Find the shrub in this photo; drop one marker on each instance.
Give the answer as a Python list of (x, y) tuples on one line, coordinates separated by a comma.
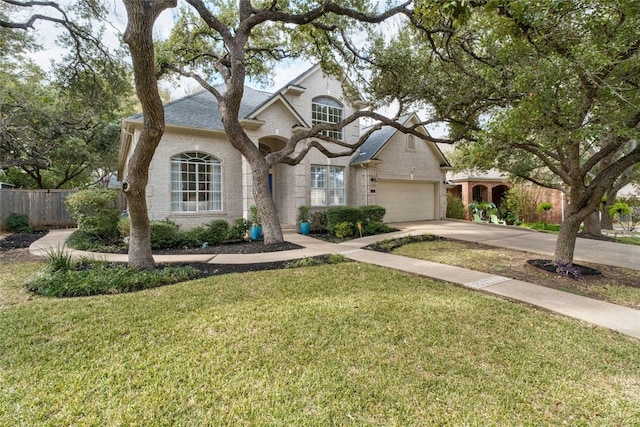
[(372, 213), (124, 226), (254, 215), (455, 207), (544, 207), (194, 236), (165, 234), (304, 213), (216, 232), (85, 241), (619, 208), (338, 215), (522, 200), (319, 221), (90, 277), (17, 223), (238, 229), (344, 229), (58, 259), (375, 227), (96, 211)]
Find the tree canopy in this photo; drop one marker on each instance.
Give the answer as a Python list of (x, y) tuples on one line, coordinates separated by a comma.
[(58, 128), (547, 91)]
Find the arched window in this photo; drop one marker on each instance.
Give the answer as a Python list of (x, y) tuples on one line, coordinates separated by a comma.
[(196, 183), (327, 110)]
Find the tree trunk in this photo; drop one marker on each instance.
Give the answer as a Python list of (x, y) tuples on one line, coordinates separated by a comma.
[(139, 37), (140, 234), (264, 202), (605, 220), (566, 243), (592, 225)]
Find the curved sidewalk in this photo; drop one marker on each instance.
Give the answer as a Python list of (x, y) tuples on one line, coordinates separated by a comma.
[(622, 319)]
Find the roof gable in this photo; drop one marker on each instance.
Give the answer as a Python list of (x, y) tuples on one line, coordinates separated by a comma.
[(200, 110), (376, 142)]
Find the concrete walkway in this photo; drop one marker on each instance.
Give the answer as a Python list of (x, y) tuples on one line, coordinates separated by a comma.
[(622, 319)]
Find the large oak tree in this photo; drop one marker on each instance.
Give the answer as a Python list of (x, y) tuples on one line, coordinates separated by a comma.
[(57, 127), (547, 91)]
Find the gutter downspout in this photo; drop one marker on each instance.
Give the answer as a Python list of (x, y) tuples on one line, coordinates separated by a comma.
[(366, 183)]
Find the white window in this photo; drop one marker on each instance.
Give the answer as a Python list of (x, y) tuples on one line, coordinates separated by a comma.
[(327, 186), (196, 183), (327, 110)]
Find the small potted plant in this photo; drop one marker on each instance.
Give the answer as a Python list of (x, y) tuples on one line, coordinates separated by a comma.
[(256, 227), (305, 219)]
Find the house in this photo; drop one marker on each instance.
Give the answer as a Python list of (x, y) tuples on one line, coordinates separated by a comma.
[(492, 186), (196, 176)]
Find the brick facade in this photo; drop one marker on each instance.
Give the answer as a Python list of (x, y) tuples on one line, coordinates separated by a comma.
[(494, 190)]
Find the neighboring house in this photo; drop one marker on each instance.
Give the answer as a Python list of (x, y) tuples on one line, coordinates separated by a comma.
[(196, 176), (492, 186), (6, 185)]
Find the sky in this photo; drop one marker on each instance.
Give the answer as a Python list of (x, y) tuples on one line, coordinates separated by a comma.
[(282, 74), (47, 33)]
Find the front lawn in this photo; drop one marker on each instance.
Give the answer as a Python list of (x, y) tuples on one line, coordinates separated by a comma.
[(345, 344), (616, 285)]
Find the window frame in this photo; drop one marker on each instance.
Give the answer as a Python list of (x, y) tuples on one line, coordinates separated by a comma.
[(196, 183), (327, 184), (327, 110)]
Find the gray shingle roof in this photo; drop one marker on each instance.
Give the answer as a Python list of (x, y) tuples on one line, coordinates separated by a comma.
[(200, 110), (373, 144)]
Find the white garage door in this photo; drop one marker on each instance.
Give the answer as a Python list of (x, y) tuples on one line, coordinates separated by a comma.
[(406, 200)]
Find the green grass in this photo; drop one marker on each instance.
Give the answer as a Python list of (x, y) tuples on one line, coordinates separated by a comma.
[(628, 240), (344, 344), (542, 226), (501, 261)]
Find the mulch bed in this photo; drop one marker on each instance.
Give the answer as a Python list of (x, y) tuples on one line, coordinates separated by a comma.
[(15, 245), (574, 270), (20, 240), (240, 247)]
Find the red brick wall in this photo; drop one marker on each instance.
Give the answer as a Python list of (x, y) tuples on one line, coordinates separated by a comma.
[(464, 189)]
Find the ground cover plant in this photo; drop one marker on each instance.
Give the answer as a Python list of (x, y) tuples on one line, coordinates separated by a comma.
[(616, 285), (369, 346), (63, 276)]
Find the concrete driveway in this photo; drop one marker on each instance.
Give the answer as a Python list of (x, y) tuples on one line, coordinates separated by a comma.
[(523, 239)]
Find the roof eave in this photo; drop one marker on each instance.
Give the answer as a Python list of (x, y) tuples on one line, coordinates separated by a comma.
[(251, 124)]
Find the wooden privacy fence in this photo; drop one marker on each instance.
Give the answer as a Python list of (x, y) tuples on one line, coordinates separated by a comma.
[(45, 208)]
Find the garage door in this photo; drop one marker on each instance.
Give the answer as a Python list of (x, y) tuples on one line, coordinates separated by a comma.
[(406, 200)]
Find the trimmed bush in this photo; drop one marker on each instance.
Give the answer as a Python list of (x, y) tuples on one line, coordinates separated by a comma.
[(194, 237), (216, 232), (96, 210), (85, 241), (338, 215), (375, 227), (455, 207), (372, 213), (238, 229), (17, 223), (165, 234), (344, 229)]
